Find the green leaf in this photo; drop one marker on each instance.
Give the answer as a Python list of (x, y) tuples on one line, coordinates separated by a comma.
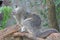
[(6, 15)]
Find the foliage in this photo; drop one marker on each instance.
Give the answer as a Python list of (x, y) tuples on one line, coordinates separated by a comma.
[(6, 10), (56, 2)]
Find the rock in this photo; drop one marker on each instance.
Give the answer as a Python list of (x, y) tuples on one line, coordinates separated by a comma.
[(7, 34), (8, 31), (54, 36)]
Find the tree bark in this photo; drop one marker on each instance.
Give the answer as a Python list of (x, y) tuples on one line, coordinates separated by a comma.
[(52, 14)]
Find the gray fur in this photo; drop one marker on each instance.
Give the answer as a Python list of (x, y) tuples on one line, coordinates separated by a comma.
[(33, 25)]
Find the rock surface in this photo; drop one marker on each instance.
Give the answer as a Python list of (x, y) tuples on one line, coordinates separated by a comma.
[(7, 34), (54, 36)]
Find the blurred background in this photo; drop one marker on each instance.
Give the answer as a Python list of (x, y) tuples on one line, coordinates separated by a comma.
[(39, 7)]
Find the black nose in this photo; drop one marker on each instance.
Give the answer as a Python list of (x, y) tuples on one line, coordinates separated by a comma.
[(1, 3)]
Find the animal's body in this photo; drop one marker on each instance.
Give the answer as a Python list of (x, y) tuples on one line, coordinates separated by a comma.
[(31, 23)]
